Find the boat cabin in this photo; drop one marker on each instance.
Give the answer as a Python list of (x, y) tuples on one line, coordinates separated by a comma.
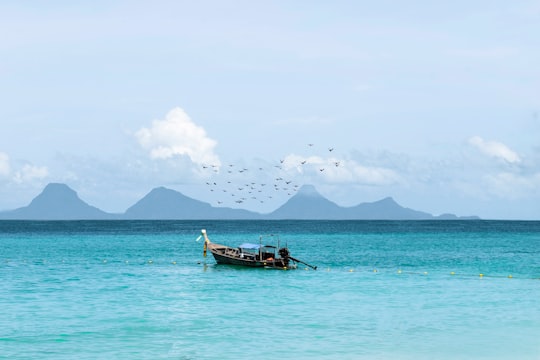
[(257, 252)]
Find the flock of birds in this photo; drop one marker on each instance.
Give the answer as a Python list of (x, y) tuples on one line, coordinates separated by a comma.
[(234, 185)]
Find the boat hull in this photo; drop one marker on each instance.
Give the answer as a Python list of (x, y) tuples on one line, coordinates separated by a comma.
[(230, 256)]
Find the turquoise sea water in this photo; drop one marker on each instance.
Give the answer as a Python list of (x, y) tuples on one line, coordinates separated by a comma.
[(383, 290)]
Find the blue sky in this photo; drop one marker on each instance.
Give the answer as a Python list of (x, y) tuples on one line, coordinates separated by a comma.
[(435, 104)]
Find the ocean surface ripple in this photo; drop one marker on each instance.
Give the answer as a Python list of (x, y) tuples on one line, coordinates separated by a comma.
[(383, 290)]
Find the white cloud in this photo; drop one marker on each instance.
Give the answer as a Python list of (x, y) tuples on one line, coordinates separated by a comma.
[(335, 170), (513, 186), (5, 168), (20, 175), (178, 135), (495, 149), (29, 173), (374, 175)]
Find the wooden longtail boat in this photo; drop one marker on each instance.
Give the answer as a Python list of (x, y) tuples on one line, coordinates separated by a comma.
[(253, 255)]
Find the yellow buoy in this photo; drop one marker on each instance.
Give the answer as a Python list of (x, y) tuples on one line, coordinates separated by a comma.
[(351, 270), (510, 276), (481, 275), (452, 273)]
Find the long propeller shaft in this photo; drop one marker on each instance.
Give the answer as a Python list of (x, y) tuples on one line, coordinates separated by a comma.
[(301, 262)]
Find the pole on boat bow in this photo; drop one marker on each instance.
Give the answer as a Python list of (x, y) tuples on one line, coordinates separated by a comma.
[(206, 241)]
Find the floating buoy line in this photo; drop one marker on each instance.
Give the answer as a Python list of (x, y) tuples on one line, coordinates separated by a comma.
[(366, 270), (450, 274)]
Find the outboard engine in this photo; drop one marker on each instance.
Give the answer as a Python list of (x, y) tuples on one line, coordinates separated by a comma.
[(284, 253)]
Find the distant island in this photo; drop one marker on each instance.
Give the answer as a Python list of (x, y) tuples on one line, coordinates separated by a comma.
[(60, 202)]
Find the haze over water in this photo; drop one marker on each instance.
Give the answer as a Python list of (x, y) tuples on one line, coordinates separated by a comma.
[(383, 290)]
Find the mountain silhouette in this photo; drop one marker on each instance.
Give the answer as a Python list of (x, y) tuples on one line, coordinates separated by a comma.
[(307, 203), (57, 202), (162, 203), (387, 209), (60, 202)]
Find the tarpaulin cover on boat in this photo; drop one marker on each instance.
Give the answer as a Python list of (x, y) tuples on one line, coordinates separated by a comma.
[(249, 246)]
